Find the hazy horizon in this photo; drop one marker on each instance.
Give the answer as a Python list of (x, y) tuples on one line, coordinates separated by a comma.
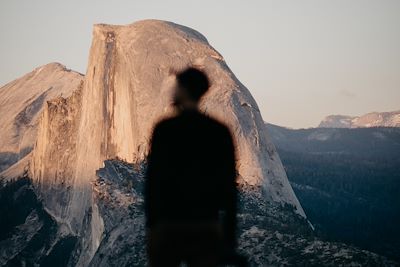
[(301, 61)]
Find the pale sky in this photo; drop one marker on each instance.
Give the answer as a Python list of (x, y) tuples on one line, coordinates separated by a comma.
[(301, 60)]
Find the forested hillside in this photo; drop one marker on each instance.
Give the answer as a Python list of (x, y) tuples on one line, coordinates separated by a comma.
[(348, 181)]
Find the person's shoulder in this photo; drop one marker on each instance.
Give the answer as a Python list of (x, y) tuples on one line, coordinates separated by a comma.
[(218, 125), (164, 124)]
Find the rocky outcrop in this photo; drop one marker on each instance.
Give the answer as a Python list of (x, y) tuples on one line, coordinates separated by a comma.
[(21, 103), (29, 236)]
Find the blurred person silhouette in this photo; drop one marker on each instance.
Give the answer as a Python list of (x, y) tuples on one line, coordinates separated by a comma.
[(190, 184)]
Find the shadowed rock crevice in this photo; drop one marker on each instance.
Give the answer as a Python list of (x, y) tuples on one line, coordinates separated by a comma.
[(29, 235), (108, 94), (24, 118)]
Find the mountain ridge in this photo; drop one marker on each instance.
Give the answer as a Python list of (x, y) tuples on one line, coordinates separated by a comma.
[(372, 119)]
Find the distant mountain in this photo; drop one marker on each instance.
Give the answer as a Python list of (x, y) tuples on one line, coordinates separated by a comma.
[(373, 119), (347, 181)]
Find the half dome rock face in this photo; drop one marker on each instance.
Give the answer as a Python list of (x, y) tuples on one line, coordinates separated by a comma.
[(128, 87), (22, 101)]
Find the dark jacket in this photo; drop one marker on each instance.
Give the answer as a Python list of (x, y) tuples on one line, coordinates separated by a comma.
[(191, 172)]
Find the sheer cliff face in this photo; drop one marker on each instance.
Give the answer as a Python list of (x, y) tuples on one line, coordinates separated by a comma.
[(128, 88), (22, 101), (54, 157)]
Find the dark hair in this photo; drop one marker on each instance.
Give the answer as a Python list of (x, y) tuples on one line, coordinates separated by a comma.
[(194, 81)]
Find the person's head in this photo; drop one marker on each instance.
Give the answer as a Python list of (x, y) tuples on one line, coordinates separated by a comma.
[(192, 84)]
